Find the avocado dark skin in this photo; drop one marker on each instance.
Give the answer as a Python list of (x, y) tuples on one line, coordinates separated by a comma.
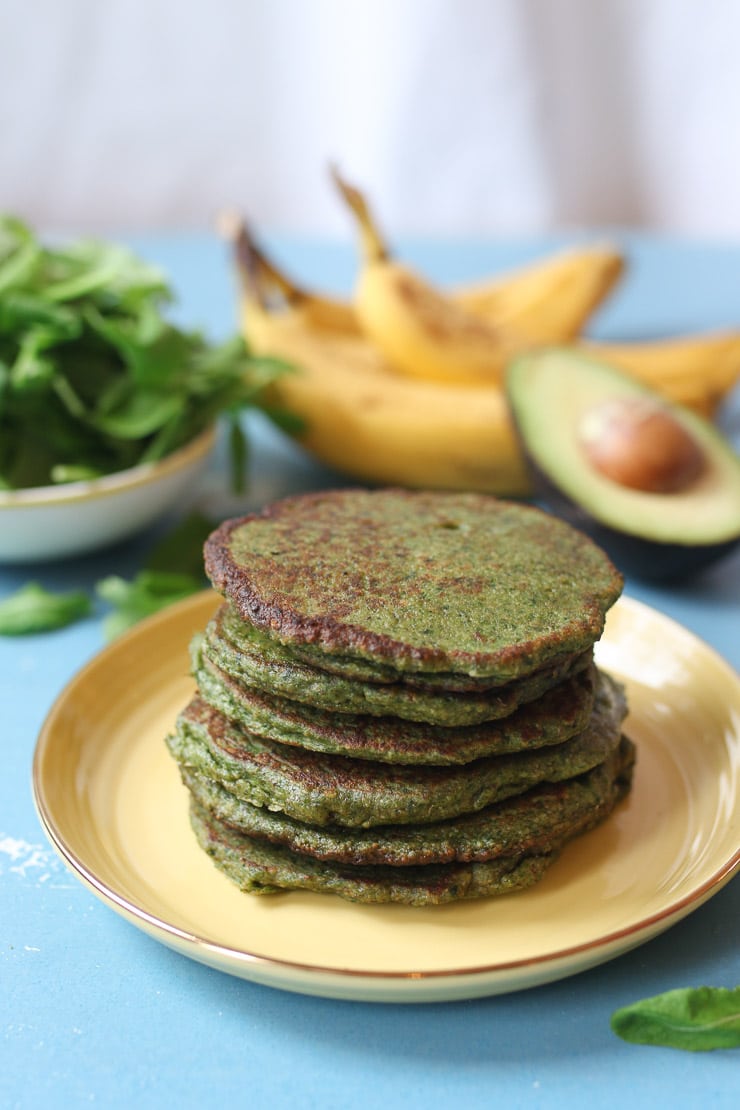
[(647, 560)]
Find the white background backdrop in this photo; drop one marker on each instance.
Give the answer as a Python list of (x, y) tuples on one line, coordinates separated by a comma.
[(458, 116)]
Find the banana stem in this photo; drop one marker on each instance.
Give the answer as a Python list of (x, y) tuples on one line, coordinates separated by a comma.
[(258, 273), (374, 248)]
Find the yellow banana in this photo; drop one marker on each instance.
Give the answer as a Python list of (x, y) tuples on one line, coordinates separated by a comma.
[(261, 273), (548, 301), (422, 332), (697, 371), (367, 421)]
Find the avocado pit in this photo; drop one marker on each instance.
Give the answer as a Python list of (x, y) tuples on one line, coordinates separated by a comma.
[(656, 485), (637, 442)]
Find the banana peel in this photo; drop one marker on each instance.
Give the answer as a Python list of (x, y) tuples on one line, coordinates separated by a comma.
[(549, 301), (422, 332), (363, 419), (697, 371), (469, 335)]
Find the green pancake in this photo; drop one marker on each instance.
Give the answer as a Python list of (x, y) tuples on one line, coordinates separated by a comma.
[(538, 821), (260, 868), (260, 662), (326, 790), (418, 582), (558, 715)]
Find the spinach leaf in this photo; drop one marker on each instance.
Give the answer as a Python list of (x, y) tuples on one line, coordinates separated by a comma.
[(145, 594), (173, 570), (180, 551), (694, 1018), (94, 377), (238, 453), (35, 609)]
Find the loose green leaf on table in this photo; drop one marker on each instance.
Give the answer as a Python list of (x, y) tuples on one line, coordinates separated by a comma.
[(173, 570), (145, 594), (693, 1018), (35, 609)]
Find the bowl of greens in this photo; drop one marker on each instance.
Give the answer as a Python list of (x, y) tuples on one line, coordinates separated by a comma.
[(57, 521), (107, 408)]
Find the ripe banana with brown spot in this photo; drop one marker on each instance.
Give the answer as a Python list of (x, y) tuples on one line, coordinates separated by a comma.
[(549, 301), (364, 419), (697, 371), (367, 421), (422, 332), (546, 303)]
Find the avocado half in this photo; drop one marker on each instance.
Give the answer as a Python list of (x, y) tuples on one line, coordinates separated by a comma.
[(554, 396)]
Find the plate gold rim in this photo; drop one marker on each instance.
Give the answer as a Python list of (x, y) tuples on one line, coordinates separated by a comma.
[(236, 960)]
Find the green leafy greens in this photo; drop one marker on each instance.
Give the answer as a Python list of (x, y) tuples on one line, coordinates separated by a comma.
[(694, 1018), (173, 571), (35, 609), (93, 377), (147, 593)]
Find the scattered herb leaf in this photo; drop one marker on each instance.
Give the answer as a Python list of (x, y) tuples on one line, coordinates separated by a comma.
[(238, 453), (180, 551), (698, 1019), (173, 570), (145, 594), (35, 609)]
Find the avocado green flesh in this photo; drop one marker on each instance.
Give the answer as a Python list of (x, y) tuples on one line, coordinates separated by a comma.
[(551, 392), (425, 582), (333, 790), (539, 820), (246, 655)]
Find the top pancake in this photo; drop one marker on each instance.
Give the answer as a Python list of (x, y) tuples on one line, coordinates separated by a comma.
[(418, 581)]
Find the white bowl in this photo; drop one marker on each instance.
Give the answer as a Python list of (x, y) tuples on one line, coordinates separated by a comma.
[(51, 522)]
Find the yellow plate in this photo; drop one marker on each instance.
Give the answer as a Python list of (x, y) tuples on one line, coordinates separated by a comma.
[(110, 798)]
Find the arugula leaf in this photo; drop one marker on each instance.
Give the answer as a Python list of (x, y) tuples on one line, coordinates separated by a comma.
[(145, 594), (174, 570), (94, 376), (34, 609), (697, 1019), (61, 474), (180, 551), (238, 453)]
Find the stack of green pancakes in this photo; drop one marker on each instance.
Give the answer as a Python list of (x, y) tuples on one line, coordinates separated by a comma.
[(397, 700)]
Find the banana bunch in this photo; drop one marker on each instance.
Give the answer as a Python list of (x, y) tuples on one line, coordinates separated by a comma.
[(469, 337), (697, 371), (403, 385), (359, 415)]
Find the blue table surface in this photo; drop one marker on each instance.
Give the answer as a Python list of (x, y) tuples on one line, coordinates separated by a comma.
[(94, 1012)]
